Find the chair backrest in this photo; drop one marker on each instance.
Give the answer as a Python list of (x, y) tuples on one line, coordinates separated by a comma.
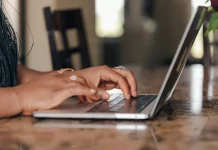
[(62, 21)]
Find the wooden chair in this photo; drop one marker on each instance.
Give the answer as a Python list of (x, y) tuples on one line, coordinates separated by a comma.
[(63, 21)]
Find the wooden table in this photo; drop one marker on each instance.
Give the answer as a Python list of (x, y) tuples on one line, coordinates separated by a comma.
[(189, 121)]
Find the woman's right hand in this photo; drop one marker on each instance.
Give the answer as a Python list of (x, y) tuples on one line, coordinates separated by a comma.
[(49, 91)]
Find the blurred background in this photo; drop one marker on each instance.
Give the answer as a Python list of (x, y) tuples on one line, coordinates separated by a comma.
[(119, 32)]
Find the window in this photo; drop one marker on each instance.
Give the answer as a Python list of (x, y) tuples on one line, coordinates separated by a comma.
[(109, 18)]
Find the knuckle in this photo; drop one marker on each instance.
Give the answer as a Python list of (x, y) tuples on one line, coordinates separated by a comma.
[(82, 79), (130, 72), (105, 67), (53, 73)]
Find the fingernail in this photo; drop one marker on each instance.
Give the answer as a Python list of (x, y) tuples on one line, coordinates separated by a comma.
[(90, 102), (73, 78), (103, 95), (93, 91), (100, 94)]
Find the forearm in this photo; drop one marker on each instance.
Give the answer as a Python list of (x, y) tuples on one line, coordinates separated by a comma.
[(10, 104), (25, 74)]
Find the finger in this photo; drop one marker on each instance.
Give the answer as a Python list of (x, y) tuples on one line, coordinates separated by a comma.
[(102, 94), (76, 89), (89, 100), (108, 85), (63, 81), (81, 98), (82, 81), (93, 97), (99, 95), (74, 79), (111, 75), (130, 79), (102, 85), (78, 78)]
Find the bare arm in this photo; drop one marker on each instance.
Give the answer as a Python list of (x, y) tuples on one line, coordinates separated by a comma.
[(42, 93), (25, 74), (9, 103), (47, 90)]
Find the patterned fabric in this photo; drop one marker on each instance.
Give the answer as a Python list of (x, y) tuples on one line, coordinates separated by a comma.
[(8, 52)]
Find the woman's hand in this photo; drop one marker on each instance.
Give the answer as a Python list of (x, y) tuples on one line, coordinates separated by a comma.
[(107, 78), (51, 90)]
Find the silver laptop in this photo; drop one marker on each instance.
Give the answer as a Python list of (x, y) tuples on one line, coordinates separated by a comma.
[(139, 108)]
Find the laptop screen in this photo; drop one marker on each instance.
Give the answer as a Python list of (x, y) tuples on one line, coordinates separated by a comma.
[(180, 58)]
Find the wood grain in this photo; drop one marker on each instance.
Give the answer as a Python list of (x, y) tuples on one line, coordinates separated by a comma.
[(188, 121)]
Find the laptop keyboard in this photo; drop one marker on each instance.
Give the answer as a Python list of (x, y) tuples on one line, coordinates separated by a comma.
[(121, 105)]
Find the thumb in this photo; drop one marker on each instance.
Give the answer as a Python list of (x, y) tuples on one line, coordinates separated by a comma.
[(99, 95), (104, 95)]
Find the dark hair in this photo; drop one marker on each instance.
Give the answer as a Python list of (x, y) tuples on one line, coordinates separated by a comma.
[(8, 52)]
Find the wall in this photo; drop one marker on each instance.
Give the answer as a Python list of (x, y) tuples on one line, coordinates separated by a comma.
[(39, 57), (11, 9), (172, 18), (136, 40), (149, 41)]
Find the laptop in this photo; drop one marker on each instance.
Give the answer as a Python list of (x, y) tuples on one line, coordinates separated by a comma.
[(144, 106)]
